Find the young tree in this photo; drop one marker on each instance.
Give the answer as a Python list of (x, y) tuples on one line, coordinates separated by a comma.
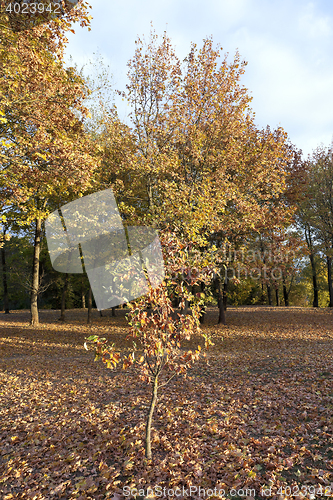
[(160, 332)]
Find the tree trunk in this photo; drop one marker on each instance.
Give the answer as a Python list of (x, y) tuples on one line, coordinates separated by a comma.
[(63, 299), (277, 297), (83, 295), (315, 302), (220, 301), (203, 310), (262, 285), (313, 267), (150, 418), (35, 275), (100, 313), (4, 280), (150, 195), (225, 293), (329, 279), (285, 294), (113, 312), (89, 305), (175, 302), (269, 295)]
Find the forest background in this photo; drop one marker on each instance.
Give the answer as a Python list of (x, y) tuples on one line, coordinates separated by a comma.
[(242, 218), (192, 164)]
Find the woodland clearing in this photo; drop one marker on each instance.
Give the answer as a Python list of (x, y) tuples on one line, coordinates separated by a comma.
[(256, 413)]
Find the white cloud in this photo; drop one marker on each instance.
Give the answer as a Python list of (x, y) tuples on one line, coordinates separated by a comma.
[(313, 24)]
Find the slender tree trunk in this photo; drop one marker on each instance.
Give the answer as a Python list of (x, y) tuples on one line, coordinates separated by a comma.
[(269, 295), (150, 418), (4, 280), (202, 316), (329, 279), (83, 295), (314, 282), (150, 195), (35, 275), (285, 294), (101, 314), (113, 312), (262, 285), (313, 267), (203, 310), (220, 303), (277, 297), (225, 293), (63, 299), (89, 305), (175, 302)]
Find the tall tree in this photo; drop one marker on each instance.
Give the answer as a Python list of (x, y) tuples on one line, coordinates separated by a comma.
[(199, 165), (316, 211), (45, 154)]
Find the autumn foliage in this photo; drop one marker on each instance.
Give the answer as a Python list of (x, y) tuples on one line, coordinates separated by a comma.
[(254, 410), (158, 331), (258, 416), (46, 157)]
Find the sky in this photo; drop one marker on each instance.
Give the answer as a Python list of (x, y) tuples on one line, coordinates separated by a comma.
[(288, 45)]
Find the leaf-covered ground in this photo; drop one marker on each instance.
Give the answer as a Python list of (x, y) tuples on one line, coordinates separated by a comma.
[(257, 416)]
